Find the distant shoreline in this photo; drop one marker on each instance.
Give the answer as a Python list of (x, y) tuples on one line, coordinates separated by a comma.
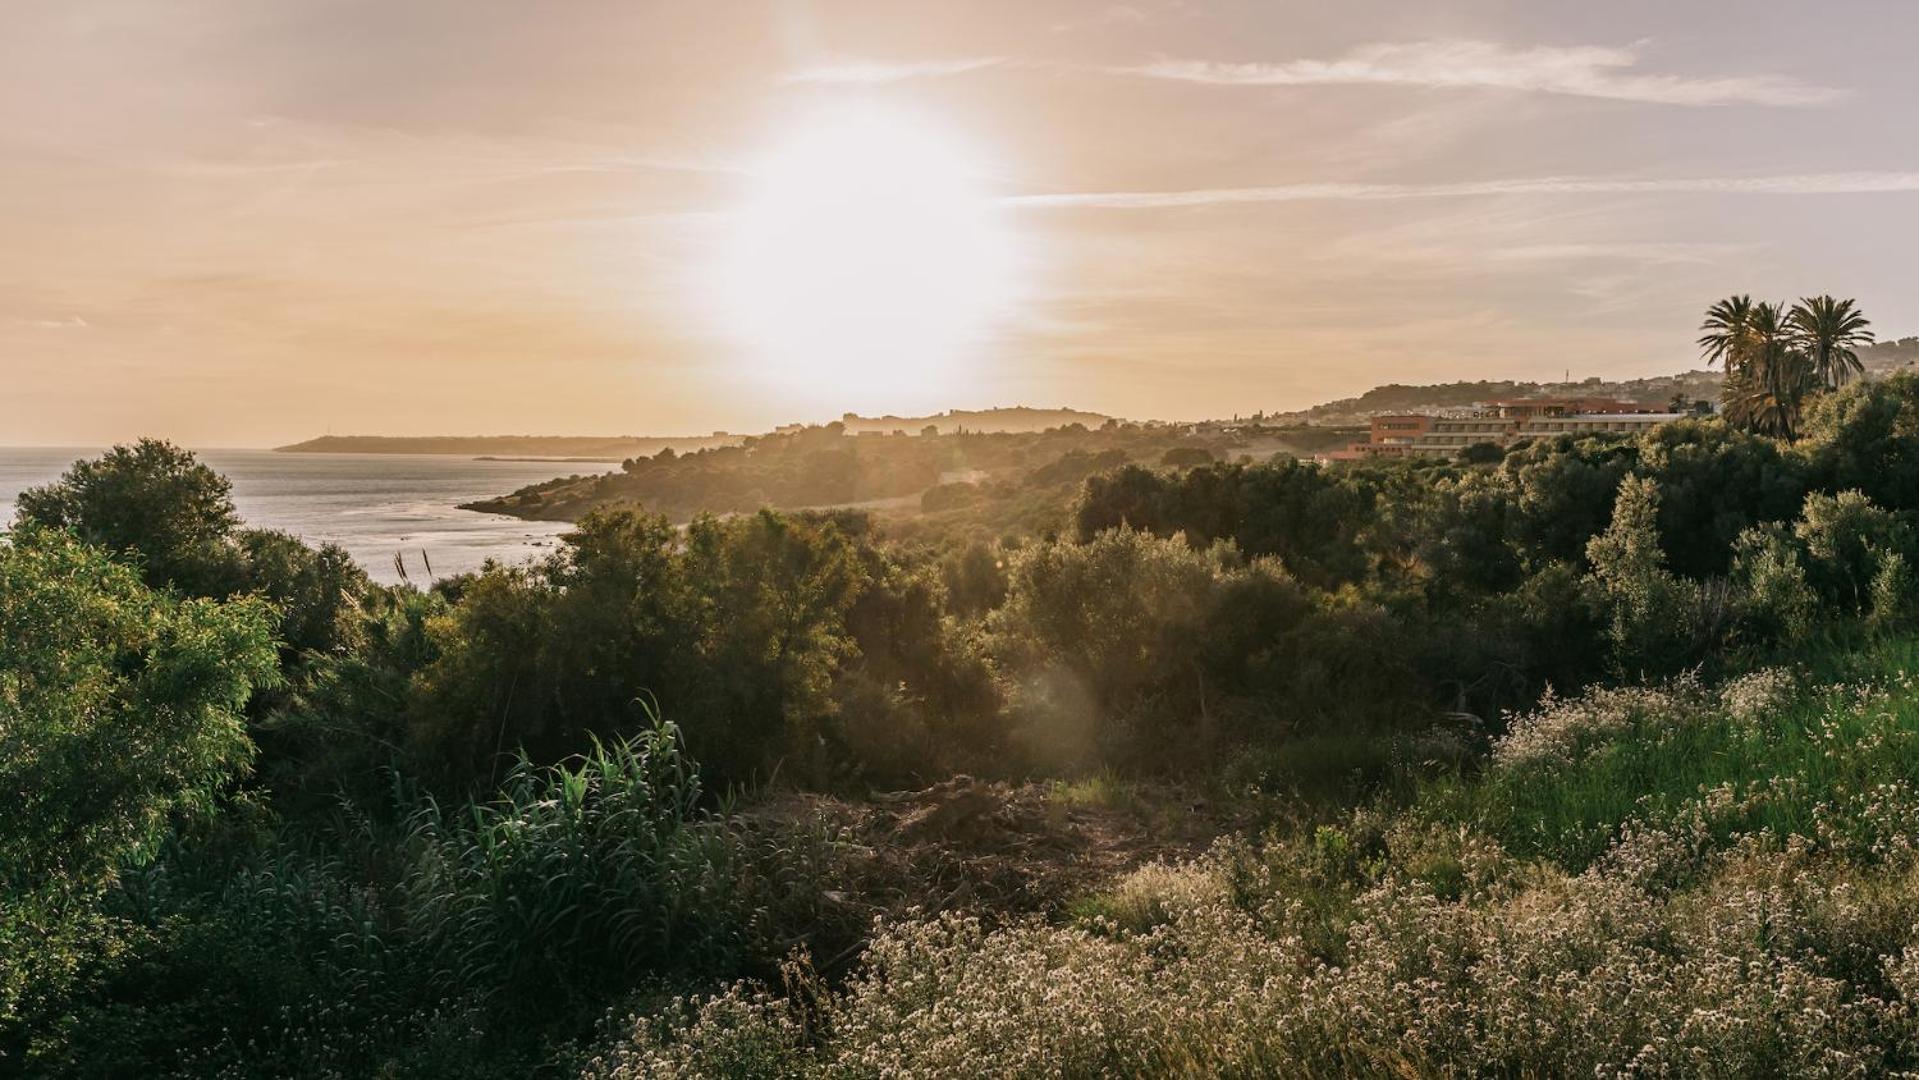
[(555, 460), (555, 448)]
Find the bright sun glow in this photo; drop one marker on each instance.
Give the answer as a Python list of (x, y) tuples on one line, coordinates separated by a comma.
[(867, 265)]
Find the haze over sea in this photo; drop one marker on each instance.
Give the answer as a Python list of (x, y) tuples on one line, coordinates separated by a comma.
[(373, 505)]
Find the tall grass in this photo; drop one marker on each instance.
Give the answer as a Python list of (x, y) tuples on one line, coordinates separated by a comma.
[(481, 938), (575, 874)]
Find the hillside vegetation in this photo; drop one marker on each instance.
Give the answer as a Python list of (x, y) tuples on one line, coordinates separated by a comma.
[(1005, 480), (1594, 758), (1673, 879)]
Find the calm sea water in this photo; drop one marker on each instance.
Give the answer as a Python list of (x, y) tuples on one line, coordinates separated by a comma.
[(373, 505)]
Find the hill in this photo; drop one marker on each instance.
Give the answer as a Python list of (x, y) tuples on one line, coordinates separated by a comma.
[(577, 447), (1001, 475), (1440, 397), (1017, 419), (1879, 360)]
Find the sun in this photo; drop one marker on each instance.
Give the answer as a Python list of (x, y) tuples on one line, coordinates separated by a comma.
[(867, 264)]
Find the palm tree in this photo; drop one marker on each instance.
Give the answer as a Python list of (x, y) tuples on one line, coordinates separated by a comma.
[(1768, 377), (1827, 331), (1725, 331)]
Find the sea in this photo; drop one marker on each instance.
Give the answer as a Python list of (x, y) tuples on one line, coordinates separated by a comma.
[(379, 507)]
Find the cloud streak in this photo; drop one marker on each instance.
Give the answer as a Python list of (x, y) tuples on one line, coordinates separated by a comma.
[(1851, 183), (876, 73), (1579, 71)]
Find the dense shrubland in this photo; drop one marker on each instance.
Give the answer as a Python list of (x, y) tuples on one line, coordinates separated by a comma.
[(275, 819)]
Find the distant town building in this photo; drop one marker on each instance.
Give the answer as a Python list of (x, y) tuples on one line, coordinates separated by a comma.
[(1501, 423)]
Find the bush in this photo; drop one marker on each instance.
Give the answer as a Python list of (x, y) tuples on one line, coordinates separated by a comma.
[(480, 939)]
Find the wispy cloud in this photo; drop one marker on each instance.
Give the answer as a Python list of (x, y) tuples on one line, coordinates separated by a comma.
[(1581, 71), (876, 72), (1853, 183), (1708, 254)]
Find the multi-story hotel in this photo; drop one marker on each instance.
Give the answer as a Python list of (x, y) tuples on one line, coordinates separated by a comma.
[(1501, 423)]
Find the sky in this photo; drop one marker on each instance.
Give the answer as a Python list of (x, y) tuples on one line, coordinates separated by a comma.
[(246, 222)]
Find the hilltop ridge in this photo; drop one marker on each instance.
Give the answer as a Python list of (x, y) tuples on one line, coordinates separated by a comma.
[(1879, 360)]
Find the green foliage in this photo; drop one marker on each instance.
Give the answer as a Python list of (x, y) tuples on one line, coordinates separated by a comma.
[(120, 714), (1715, 482), (1776, 596), (1303, 637), (320, 592), (1482, 453), (1866, 438), (151, 500), (574, 875), (119, 708), (1648, 606), (1145, 652), (1185, 457), (1776, 359), (1849, 542), (1305, 516), (479, 939), (739, 629)]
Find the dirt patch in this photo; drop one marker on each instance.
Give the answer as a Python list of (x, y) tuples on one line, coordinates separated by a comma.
[(991, 847)]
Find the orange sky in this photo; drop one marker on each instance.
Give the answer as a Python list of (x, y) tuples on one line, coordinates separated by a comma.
[(244, 222)]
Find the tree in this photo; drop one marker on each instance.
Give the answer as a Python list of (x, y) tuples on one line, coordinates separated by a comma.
[(768, 597), (154, 501), (1098, 634), (1827, 331), (1482, 453), (736, 629), (1714, 482), (1776, 360), (120, 711), (1849, 541), (1866, 436), (1185, 457), (1725, 329), (1768, 378), (1650, 609)]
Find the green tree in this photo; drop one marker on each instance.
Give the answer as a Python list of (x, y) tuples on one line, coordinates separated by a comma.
[(1849, 541), (768, 598), (1866, 437), (1828, 332), (738, 629), (1482, 453), (1768, 378), (120, 711), (1096, 634), (1773, 591), (1714, 482), (154, 501), (1725, 331), (1776, 359), (1564, 489), (1651, 611)]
